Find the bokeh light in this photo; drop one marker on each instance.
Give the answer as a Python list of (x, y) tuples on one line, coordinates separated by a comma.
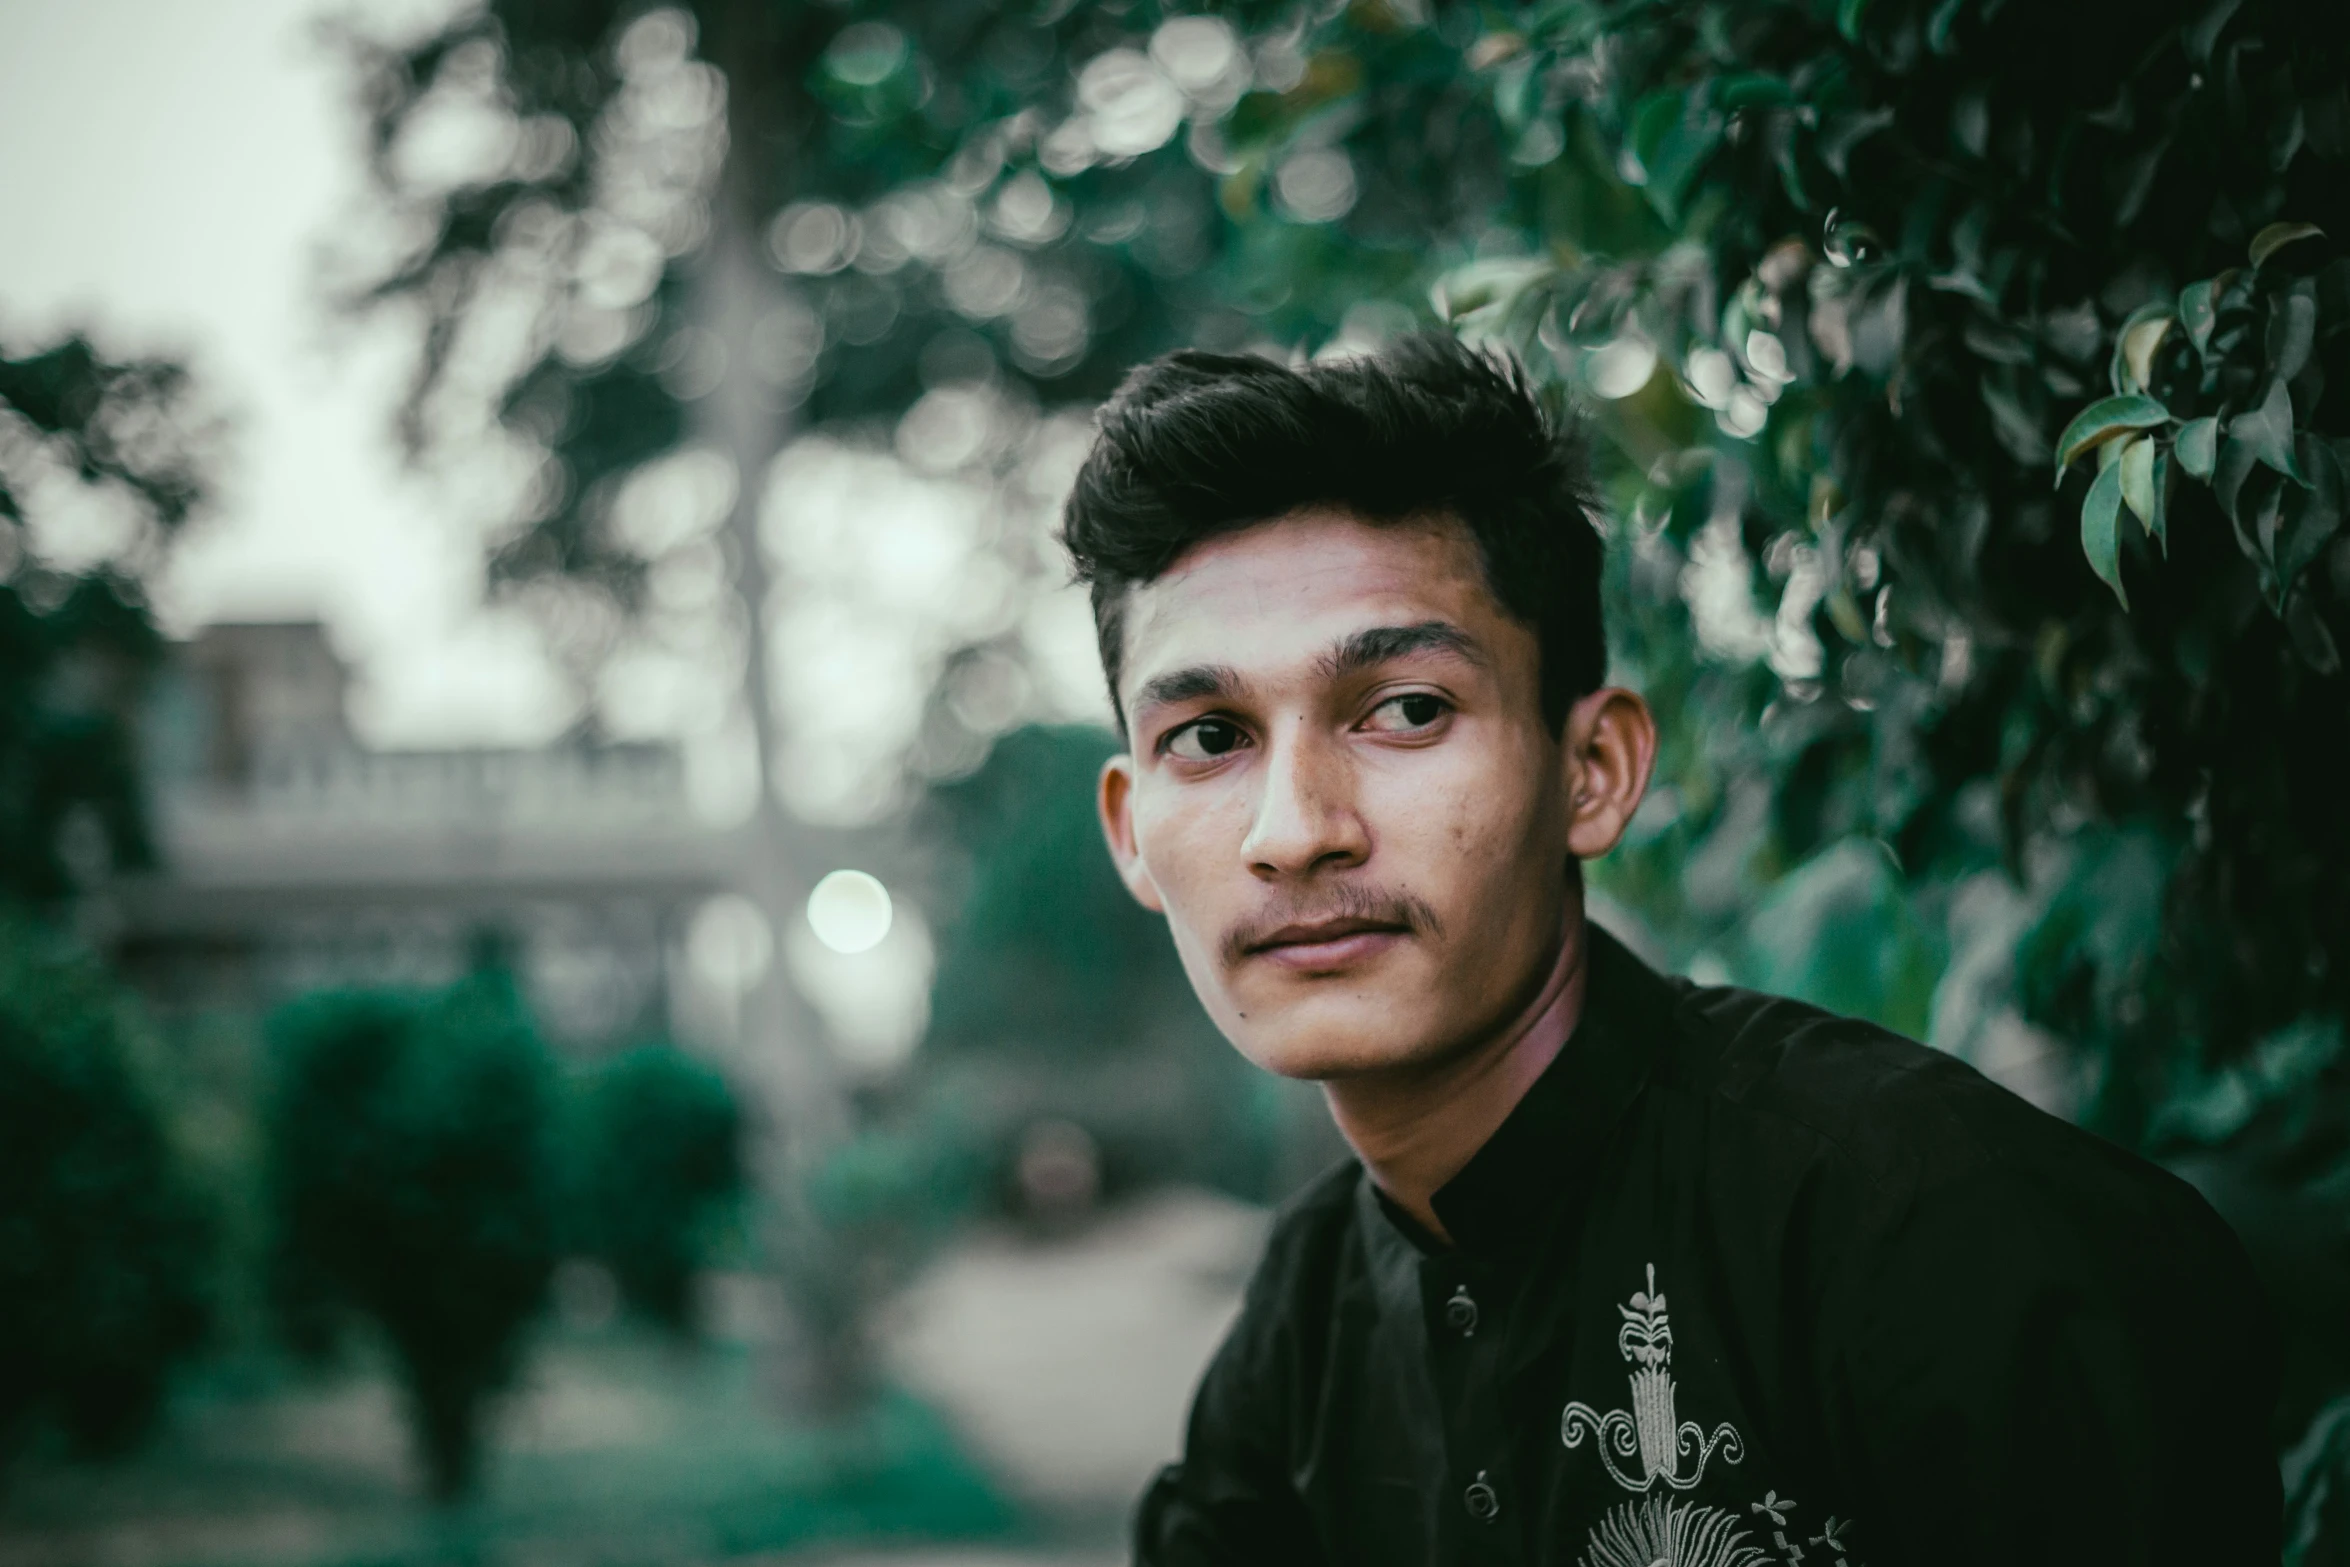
[(850, 911)]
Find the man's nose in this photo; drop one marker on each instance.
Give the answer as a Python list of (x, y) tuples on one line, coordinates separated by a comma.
[(1306, 818)]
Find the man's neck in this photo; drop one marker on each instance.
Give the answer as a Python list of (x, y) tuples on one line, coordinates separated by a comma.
[(1416, 1130)]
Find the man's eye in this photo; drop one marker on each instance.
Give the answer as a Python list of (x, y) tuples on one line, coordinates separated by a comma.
[(1405, 713), (1203, 740)]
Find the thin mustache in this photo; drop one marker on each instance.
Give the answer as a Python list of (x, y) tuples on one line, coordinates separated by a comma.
[(1340, 903)]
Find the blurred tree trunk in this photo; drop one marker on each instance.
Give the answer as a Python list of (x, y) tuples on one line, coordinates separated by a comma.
[(782, 1040)]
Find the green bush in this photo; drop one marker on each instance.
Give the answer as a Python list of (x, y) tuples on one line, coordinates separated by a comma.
[(658, 1161), (106, 1246), (408, 1166)]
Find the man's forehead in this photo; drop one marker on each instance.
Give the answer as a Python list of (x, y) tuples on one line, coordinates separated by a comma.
[(1290, 586)]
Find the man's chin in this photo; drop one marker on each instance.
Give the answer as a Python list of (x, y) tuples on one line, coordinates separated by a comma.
[(1323, 1053), (1377, 1018)]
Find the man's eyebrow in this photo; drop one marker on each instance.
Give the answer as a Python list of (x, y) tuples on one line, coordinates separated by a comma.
[(1188, 685), (1377, 644)]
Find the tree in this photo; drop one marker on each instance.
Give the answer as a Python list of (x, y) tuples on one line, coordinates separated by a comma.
[(877, 164), (721, 222), (717, 223), (129, 441), (409, 1173)]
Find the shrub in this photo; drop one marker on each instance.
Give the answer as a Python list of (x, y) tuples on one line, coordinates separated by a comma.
[(659, 1161), (408, 1148), (106, 1246)]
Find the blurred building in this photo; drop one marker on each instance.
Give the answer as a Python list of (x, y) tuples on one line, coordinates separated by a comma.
[(291, 857), (294, 857)]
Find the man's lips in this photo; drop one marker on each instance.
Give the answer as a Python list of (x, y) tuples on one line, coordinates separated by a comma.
[(1327, 944)]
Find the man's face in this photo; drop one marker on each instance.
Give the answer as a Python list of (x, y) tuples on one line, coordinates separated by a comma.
[(1341, 791)]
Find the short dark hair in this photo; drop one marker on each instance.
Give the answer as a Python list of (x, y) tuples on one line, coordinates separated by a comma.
[(1196, 445)]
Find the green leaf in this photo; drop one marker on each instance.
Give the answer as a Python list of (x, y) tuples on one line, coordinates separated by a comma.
[(2199, 35), (2101, 421), (2234, 469), (1751, 90), (2158, 525), (2312, 516), (1938, 25), (2013, 426), (1674, 164), (1652, 122), (1486, 292), (2198, 314), (2333, 279), (2285, 131), (2292, 329), (2135, 179), (2311, 639), (2101, 532), (2137, 471), (2277, 236), (2198, 444), (1849, 15), (1847, 132), (2267, 513), (1514, 95), (2135, 346), (2268, 429)]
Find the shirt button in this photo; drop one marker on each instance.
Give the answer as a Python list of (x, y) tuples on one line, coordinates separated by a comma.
[(1483, 1501), (1460, 1312)]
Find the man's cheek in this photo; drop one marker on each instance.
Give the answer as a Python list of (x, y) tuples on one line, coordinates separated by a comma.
[(1185, 899)]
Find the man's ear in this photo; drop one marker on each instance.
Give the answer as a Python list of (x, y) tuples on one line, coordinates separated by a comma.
[(1115, 800), (1610, 749)]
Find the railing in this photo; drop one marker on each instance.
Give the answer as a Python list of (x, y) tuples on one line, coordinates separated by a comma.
[(557, 785)]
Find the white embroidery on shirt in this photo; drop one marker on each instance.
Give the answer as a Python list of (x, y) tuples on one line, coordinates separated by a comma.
[(1651, 1429), (1655, 1530), (1659, 1532)]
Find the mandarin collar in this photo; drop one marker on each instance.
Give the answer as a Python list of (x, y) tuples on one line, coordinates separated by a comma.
[(1543, 1151)]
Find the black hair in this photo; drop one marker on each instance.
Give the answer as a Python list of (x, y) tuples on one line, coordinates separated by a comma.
[(1196, 445)]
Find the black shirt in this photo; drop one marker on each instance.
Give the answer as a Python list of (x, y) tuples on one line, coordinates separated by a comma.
[(1742, 1283)]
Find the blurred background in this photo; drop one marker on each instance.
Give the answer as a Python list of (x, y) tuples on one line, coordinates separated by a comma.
[(559, 995)]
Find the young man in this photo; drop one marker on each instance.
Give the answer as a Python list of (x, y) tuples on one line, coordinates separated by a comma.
[(1630, 1271)]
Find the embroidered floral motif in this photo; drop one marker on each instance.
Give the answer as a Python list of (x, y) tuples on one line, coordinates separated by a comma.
[(1658, 1532), (1651, 1429), (1775, 1507)]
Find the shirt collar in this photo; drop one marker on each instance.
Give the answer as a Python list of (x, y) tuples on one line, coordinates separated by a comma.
[(1544, 1150)]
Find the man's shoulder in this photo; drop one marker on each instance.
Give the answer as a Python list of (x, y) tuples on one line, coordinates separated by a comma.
[(1883, 1103), (1869, 1107)]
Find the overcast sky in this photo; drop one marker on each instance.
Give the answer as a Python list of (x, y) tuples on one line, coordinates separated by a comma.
[(167, 171)]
